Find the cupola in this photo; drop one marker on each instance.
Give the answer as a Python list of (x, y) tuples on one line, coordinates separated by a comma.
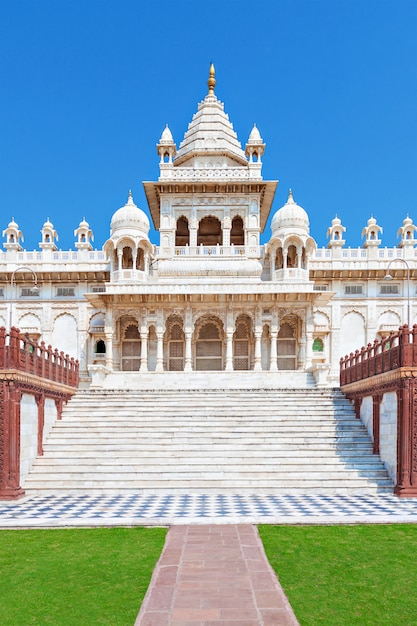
[(129, 220), (290, 219), (371, 233), (84, 236), (49, 236), (335, 232), (406, 232), (13, 236), (255, 146), (166, 146)]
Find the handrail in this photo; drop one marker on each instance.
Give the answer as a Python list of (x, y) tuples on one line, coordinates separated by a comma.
[(19, 352), (398, 349)]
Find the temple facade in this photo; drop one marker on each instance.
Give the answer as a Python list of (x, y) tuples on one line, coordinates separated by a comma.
[(210, 297)]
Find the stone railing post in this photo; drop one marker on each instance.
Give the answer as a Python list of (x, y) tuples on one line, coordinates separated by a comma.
[(10, 488)]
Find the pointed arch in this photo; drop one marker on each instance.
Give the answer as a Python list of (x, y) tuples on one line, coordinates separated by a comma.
[(209, 344), (209, 231), (237, 232), (182, 232)]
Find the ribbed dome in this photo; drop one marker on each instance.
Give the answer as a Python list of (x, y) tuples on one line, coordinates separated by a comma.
[(290, 217), (130, 218)]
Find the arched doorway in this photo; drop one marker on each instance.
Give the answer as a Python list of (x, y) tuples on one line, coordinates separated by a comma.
[(241, 344), (175, 345), (182, 233), (209, 232), (287, 347), (131, 349), (237, 234), (209, 346)]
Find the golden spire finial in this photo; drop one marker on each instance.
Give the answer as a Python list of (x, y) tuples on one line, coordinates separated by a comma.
[(211, 81)]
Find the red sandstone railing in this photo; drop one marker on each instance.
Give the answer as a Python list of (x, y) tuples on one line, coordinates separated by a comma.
[(19, 352), (397, 350)]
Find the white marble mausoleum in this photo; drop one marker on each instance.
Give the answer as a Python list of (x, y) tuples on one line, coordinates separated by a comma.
[(210, 297)]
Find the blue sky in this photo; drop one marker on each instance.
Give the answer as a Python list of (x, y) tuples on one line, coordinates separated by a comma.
[(86, 88)]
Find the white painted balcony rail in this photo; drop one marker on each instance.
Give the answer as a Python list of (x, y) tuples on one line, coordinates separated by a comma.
[(206, 251)]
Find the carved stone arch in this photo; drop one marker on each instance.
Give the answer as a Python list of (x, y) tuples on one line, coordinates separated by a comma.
[(352, 331), (208, 343), (64, 335), (237, 231), (288, 342), (242, 342), (389, 320), (209, 231), (131, 344), (174, 342), (182, 231)]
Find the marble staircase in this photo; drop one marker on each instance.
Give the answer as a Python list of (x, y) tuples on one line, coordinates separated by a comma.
[(208, 441)]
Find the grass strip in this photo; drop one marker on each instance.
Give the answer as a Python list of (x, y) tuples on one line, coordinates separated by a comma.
[(68, 577), (347, 575)]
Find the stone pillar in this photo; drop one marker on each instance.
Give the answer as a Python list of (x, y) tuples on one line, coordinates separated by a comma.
[(109, 350), (119, 260), (229, 351), (188, 332), (257, 360), (144, 348), (159, 350), (40, 401), (193, 227), (406, 436), (273, 365), (10, 441)]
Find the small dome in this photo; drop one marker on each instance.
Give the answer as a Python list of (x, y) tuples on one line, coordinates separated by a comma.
[(336, 221), (130, 218), (166, 137), (291, 218), (13, 224), (84, 224), (48, 224), (255, 136)]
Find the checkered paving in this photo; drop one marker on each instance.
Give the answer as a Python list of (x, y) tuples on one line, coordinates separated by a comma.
[(156, 509)]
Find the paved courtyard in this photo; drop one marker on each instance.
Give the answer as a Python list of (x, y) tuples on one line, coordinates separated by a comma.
[(156, 509)]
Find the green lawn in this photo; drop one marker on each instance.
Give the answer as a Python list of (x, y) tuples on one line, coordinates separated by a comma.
[(347, 575), (76, 577)]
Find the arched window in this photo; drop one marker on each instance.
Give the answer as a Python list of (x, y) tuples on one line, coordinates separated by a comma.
[(127, 258), (131, 349), (100, 347), (140, 260), (279, 262), (318, 345), (209, 232), (237, 234), (241, 345), (175, 347), (286, 347), (182, 233), (292, 256), (209, 347)]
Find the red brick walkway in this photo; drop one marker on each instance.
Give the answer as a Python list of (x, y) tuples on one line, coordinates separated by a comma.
[(214, 575)]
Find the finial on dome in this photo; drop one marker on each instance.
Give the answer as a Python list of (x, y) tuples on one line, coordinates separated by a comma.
[(290, 198), (130, 196), (211, 81)]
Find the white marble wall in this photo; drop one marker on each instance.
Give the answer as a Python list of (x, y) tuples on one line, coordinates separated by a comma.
[(387, 429), (28, 434), (50, 415), (388, 433), (29, 430), (367, 415)]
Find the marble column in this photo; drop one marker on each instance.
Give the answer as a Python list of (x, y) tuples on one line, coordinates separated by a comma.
[(144, 331), (159, 351)]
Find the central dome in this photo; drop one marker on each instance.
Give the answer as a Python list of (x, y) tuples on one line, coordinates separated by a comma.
[(130, 218), (290, 217)]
